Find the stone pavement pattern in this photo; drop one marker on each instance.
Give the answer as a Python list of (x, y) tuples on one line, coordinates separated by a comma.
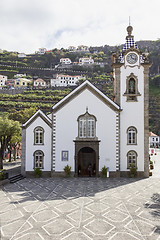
[(81, 209)]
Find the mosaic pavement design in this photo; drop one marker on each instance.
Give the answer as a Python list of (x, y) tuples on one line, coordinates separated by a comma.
[(81, 209)]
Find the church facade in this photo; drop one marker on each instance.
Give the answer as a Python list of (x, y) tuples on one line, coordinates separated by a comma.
[(87, 128)]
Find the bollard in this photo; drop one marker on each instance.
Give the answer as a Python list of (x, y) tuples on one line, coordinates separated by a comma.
[(107, 172)]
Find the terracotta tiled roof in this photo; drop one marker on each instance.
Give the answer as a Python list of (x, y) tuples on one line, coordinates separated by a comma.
[(152, 134), (39, 80)]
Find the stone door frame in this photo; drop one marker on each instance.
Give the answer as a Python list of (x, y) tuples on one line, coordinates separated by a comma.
[(94, 144)]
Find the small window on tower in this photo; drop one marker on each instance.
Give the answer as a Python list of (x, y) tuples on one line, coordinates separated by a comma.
[(131, 88), (131, 159), (131, 136)]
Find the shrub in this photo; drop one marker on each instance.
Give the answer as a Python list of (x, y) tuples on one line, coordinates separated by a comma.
[(104, 171), (133, 171), (67, 170), (3, 174), (38, 172)]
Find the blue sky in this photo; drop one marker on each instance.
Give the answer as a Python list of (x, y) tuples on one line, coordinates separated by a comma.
[(26, 25)]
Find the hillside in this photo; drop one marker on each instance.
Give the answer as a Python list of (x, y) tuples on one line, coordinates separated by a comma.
[(43, 66)]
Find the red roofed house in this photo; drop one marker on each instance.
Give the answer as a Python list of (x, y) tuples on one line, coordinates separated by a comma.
[(39, 83)]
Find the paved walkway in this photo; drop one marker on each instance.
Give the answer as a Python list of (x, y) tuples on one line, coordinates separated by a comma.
[(156, 162), (81, 209)]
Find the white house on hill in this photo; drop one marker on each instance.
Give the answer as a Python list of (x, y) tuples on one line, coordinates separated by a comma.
[(86, 61), (62, 80), (3, 80), (153, 140), (87, 128), (65, 61)]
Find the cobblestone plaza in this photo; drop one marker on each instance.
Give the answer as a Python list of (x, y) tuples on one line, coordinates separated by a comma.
[(81, 208)]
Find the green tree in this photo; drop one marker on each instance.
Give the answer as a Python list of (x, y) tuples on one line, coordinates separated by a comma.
[(8, 129), (22, 115), (15, 140)]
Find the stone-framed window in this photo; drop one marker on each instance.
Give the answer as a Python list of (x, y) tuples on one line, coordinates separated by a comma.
[(131, 136), (132, 88), (131, 159), (38, 159), (38, 136), (87, 126)]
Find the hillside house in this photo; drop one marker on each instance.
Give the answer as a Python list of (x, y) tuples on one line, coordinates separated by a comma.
[(39, 83), (86, 61), (3, 80), (65, 80), (82, 48), (22, 82), (65, 61), (21, 55), (41, 51), (153, 140)]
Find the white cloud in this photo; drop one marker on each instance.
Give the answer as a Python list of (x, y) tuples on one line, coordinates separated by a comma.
[(27, 25)]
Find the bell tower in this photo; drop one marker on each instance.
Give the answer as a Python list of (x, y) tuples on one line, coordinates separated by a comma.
[(131, 93)]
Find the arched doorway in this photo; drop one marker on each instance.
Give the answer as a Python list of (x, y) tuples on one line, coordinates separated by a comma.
[(86, 157)]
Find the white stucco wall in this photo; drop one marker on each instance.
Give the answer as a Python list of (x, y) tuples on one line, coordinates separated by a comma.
[(31, 148), (132, 115), (67, 130)]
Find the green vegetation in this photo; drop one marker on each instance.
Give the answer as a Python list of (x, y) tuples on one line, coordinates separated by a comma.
[(97, 74), (154, 106), (31, 99), (22, 115), (37, 172), (10, 132), (67, 170), (104, 172), (133, 171)]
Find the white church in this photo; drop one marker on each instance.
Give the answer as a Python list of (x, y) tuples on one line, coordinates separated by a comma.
[(87, 128)]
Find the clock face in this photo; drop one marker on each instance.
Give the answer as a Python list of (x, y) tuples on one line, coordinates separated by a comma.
[(132, 58)]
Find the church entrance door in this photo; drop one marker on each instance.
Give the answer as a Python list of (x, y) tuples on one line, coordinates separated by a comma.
[(86, 152), (86, 158)]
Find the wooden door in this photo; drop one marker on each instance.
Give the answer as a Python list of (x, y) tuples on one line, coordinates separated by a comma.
[(86, 156)]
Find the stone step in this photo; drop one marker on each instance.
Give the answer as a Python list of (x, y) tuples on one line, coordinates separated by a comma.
[(16, 178)]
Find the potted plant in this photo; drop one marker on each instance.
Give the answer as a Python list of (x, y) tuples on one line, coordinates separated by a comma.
[(133, 171), (37, 172), (104, 171), (151, 166), (67, 170), (3, 174)]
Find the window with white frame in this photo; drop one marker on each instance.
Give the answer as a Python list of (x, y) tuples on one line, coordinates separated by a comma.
[(131, 159), (39, 135), (87, 126), (38, 159), (131, 136)]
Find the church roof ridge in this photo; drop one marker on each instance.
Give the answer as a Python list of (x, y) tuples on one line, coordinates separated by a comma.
[(38, 113), (81, 87)]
